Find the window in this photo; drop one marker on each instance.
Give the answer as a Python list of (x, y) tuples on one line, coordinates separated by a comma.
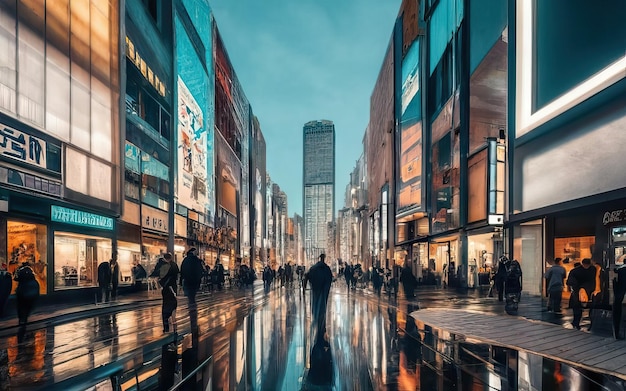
[(76, 259), (28, 243)]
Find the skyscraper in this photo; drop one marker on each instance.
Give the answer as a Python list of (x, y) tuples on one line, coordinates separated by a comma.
[(318, 188)]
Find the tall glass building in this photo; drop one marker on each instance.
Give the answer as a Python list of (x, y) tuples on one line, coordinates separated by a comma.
[(318, 185)]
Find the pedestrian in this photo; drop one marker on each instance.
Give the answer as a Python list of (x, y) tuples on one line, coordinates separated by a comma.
[(168, 275), (582, 281), (619, 289), (512, 286), (104, 281), (555, 276), (347, 273), (218, 275), (377, 279), (6, 285), (408, 281), (267, 278), (500, 277), (191, 276), (115, 276), (320, 277), (27, 293)]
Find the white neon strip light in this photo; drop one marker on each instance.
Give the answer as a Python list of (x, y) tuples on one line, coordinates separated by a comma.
[(525, 119)]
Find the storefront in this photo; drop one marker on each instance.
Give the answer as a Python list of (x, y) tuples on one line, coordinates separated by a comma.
[(81, 241), (27, 242), (443, 260), (154, 235), (483, 252), (180, 238)]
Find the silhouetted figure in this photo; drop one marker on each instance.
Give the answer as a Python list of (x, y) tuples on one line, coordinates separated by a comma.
[(619, 289), (500, 277), (512, 286), (347, 273), (218, 275), (191, 271), (104, 282), (409, 282), (115, 276), (168, 275), (579, 278), (6, 285), (377, 279), (267, 278), (320, 277), (27, 293)]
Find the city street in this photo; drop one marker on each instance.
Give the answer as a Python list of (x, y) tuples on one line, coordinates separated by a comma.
[(258, 340)]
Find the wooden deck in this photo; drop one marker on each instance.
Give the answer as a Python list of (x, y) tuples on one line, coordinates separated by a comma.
[(570, 346)]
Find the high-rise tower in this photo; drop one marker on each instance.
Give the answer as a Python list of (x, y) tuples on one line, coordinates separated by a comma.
[(318, 187)]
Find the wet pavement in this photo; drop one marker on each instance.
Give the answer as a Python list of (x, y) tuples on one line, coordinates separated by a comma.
[(258, 340)]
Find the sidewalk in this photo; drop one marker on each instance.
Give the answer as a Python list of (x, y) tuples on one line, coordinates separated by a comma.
[(53, 312), (595, 353)]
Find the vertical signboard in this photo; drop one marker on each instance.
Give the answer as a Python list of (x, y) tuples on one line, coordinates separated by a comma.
[(192, 151), (411, 162)]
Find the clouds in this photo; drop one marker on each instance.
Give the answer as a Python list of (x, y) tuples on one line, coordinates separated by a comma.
[(307, 60)]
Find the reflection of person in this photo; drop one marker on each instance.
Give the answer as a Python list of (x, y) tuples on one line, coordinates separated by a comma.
[(168, 275), (320, 277), (27, 293), (321, 370), (104, 281)]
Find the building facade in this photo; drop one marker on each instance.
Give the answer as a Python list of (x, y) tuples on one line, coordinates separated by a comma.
[(565, 125), (318, 188), (60, 139)]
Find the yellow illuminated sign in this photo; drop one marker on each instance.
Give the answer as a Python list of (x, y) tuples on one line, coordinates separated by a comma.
[(146, 71)]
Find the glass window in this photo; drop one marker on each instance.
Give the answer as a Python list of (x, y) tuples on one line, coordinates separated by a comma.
[(129, 256), (28, 243), (100, 120), (477, 187), (81, 109), (76, 259), (30, 69), (99, 180), (76, 169), (58, 96), (8, 66), (528, 250)]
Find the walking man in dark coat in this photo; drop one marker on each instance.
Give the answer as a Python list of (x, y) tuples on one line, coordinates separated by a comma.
[(320, 277), (191, 271)]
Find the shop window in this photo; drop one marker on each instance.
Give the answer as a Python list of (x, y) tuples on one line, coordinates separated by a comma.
[(129, 258), (76, 259), (28, 243), (528, 250)]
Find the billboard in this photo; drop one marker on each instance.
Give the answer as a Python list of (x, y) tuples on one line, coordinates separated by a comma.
[(411, 162), (228, 176), (192, 151)]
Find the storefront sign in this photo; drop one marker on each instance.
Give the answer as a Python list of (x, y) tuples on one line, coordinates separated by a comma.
[(154, 219), (80, 218), (616, 216), (199, 232), (23, 147)]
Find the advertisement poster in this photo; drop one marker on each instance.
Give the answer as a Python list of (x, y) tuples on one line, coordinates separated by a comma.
[(411, 162), (228, 176), (192, 151)]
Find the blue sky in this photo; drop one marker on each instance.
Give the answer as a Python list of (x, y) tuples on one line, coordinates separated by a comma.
[(307, 60)]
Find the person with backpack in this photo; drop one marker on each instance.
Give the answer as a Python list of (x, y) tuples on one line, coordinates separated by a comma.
[(168, 275), (512, 286), (582, 281), (27, 293)]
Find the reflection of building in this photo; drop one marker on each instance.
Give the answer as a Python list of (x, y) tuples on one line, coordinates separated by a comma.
[(318, 185), (59, 139)]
